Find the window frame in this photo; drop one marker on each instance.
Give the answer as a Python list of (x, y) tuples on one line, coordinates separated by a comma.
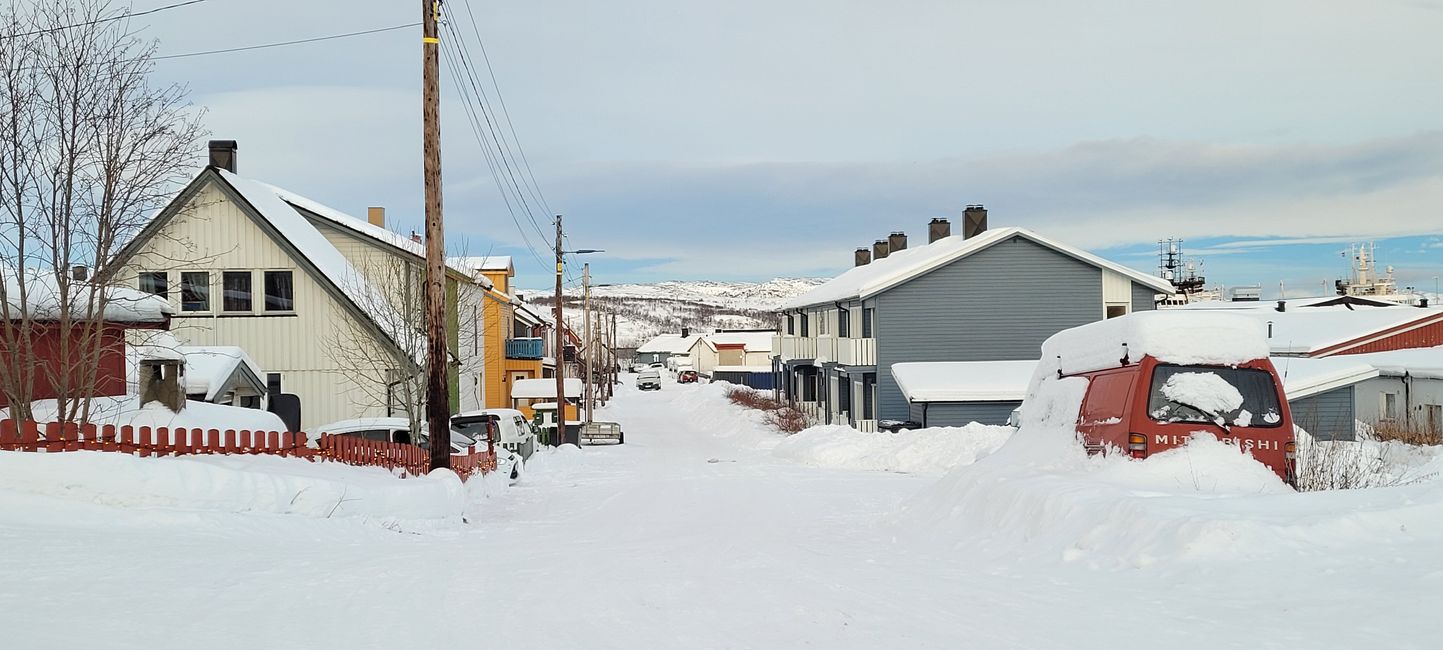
[(250, 293), (805, 324), (868, 325), (209, 304), (164, 291), (265, 292), (844, 323)]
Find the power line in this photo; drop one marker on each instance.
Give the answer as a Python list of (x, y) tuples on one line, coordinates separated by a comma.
[(284, 43), (97, 21)]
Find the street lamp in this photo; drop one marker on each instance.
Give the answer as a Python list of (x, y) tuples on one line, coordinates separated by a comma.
[(561, 335)]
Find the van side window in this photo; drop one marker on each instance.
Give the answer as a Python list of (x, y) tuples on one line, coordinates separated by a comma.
[(1104, 410)]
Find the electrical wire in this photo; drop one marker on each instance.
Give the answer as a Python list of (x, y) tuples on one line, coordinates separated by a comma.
[(97, 21), (285, 43)]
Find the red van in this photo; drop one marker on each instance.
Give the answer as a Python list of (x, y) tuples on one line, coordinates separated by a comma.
[(1156, 378), (1131, 408)]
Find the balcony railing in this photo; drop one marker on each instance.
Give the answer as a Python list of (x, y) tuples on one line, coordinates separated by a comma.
[(524, 348), (846, 351)]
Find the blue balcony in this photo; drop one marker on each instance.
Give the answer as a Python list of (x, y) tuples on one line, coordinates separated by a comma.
[(524, 348)]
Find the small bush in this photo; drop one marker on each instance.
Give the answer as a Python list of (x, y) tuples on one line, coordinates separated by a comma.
[(1408, 435), (1354, 465), (777, 413)]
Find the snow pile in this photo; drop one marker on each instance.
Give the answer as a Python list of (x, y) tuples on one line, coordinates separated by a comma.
[(235, 484), (1041, 498), (922, 451), (708, 403), (1182, 337), (123, 410), (1203, 390)]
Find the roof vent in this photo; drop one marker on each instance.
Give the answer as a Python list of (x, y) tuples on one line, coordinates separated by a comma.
[(879, 249), (939, 228), (862, 257), (897, 241)]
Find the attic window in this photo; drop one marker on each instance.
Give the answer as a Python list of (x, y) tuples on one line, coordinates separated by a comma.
[(155, 282), (280, 291), (195, 291), (236, 291)]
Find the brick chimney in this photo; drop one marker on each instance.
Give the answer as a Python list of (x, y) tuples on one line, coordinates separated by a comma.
[(376, 216), (222, 154), (879, 249), (896, 241), (974, 221), (938, 229), (862, 257)]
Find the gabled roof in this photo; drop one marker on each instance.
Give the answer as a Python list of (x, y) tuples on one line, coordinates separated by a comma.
[(670, 343), (751, 341), (208, 368), (393, 240), (484, 263), (899, 267)]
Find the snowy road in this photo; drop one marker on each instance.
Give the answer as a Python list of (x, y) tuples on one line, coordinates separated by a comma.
[(682, 538)]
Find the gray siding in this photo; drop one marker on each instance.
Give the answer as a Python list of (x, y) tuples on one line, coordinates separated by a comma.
[(996, 304), (1143, 297), (956, 414), (1327, 416)]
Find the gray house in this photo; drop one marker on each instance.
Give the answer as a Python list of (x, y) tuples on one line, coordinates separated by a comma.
[(1329, 397), (987, 296)]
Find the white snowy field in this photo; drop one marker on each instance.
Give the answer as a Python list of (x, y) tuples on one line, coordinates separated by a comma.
[(705, 531)]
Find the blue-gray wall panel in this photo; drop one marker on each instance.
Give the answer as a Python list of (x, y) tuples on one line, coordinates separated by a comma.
[(996, 304), (956, 414), (1327, 416), (1143, 297)]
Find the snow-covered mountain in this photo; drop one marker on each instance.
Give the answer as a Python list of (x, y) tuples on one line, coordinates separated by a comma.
[(645, 310)]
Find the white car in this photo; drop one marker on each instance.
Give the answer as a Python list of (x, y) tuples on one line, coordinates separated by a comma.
[(649, 380), (516, 433), (398, 430)]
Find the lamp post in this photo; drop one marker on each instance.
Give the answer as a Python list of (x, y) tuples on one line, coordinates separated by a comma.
[(561, 333)]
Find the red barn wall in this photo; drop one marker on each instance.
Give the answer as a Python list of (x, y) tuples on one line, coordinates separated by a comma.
[(109, 374)]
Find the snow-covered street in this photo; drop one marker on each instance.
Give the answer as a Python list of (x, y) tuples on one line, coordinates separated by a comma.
[(692, 534)]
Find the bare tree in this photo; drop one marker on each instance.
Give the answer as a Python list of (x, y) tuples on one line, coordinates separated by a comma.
[(89, 150)]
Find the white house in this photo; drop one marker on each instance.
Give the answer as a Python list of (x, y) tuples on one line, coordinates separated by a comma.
[(317, 298)]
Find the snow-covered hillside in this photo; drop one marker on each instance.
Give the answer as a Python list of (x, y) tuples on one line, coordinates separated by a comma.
[(645, 310)]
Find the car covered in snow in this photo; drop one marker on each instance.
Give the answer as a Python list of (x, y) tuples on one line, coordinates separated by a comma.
[(649, 379), (1155, 379), (516, 433)]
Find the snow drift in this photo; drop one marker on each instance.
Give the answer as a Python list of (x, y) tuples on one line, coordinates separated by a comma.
[(923, 451)]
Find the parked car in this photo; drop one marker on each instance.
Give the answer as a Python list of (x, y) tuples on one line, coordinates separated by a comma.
[(639, 366), (649, 379), (1143, 398), (515, 432), (687, 377), (398, 430)]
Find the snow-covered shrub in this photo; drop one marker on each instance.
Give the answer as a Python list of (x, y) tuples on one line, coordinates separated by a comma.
[(779, 415)]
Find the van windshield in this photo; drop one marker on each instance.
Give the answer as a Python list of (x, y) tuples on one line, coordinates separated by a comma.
[(1239, 397)]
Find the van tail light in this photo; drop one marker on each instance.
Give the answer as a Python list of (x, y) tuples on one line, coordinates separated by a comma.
[(1137, 445), (1290, 450)]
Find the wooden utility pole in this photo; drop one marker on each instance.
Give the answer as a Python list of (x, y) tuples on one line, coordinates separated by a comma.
[(611, 389), (438, 396), (560, 345), (590, 351)]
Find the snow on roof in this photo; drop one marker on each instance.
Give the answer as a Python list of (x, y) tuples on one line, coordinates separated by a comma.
[(42, 299), (752, 368), (207, 367), (880, 275), (1424, 363), (483, 262), (364, 227), (544, 388), (1304, 329), (1173, 336), (327, 259), (345, 426), (672, 343), (1303, 377), (754, 341), (536, 315), (964, 381)]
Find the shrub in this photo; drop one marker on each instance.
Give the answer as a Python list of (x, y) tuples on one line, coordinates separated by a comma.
[(778, 414), (1408, 435), (1354, 465)]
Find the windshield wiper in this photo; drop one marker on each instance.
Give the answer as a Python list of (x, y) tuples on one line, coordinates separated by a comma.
[(1217, 418)]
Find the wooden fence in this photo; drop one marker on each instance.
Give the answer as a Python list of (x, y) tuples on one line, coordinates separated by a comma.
[(161, 441)]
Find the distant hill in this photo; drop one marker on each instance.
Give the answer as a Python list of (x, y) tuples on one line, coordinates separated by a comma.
[(645, 310)]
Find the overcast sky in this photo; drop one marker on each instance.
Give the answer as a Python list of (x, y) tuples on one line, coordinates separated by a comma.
[(751, 139)]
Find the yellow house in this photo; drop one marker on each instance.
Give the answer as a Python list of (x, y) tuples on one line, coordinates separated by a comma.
[(515, 342)]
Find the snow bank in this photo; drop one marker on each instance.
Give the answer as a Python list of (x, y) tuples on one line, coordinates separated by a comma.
[(1041, 498), (237, 484), (1182, 337), (922, 451), (122, 410), (746, 426)]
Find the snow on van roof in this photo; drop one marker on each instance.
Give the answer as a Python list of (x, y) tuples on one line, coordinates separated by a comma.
[(896, 268), (1173, 336), (544, 388), (964, 381)]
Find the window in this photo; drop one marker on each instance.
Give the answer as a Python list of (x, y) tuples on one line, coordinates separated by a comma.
[(156, 282), (844, 323), (867, 323), (844, 397), (273, 383), (235, 291), (809, 386), (869, 381), (1113, 311), (1177, 389), (791, 325), (1389, 406), (195, 291), (805, 329), (822, 323), (280, 291)]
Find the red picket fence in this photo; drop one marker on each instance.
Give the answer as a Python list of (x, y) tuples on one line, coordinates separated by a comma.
[(144, 441)]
